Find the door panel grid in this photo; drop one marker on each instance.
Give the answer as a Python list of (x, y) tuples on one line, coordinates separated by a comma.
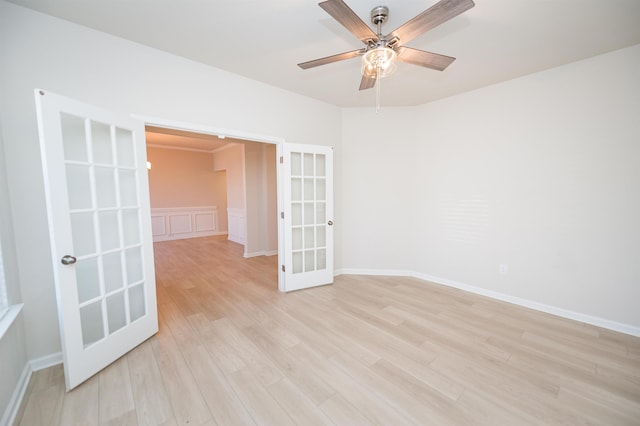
[(96, 188), (101, 180), (308, 205)]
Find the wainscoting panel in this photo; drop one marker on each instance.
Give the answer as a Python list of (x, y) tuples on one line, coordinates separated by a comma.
[(184, 222), (237, 225)]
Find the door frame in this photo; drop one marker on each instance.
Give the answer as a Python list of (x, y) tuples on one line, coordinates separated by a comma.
[(236, 134)]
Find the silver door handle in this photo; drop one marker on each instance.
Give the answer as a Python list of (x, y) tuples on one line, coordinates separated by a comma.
[(330, 223), (68, 260)]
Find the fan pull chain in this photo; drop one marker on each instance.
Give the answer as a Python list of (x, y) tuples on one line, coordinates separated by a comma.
[(378, 88)]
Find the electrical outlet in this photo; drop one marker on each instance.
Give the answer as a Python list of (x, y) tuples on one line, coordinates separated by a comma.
[(503, 269)]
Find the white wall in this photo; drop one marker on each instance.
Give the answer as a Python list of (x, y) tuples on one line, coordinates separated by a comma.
[(261, 198), (376, 189), (44, 52), (231, 160), (541, 173), (182, 178), (13, 354)]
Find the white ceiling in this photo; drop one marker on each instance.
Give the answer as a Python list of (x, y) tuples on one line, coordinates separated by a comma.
[(497, 40)]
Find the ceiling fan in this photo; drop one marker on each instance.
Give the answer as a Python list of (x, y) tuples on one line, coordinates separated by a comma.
[(381, 51)]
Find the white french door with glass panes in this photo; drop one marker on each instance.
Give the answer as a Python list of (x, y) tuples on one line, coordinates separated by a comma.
[(307, 215), (97, 192)]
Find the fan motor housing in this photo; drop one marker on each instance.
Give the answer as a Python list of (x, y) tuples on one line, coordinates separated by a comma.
[(379, 15)]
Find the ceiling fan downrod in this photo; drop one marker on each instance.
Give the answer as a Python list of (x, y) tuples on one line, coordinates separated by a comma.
[(379, 16)]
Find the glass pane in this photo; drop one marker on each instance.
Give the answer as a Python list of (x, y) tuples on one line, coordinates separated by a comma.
[(296, 164), (101, 138), (321, 213), (308, 165), (136, 302), (116, 313), (321, 189), (308, 190), (308, 214), (296, 190), (126, 151), (91, 323), (296, 214), (297, 262), (109, 230), (322, 259), (130, 227), (320, 165), (79, 187), (133, 258), (309, 261), (73, 138), (309, 237), (112, 271), (105, 187), (296, 235), (87, 279), (321, 236), (82, 234), (128, 189)]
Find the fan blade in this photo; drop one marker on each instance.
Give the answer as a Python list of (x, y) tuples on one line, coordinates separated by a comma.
[(348, 18), (330, 59), (430, 18), (367, 82), (424, 59)]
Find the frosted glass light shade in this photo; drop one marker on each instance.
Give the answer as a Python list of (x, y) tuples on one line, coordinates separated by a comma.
[(379, 62)]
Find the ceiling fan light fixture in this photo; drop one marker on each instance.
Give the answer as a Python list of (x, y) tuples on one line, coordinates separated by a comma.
[(379, 62)]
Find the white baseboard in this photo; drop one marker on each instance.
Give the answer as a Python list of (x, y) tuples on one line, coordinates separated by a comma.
[(261, 253), (13, 407), (46, 361), (554, 310), (21, 387)]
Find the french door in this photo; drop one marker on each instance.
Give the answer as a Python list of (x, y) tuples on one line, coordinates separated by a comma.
[(97, 191), (307, 216)]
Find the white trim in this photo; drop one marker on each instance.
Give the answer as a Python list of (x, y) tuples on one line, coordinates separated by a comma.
[(542, 307), (9, 317), (46, 361), (261, 253), (30, 367), (180, 148), (237, 225), (236, 134), (11, 411), (199, 128)]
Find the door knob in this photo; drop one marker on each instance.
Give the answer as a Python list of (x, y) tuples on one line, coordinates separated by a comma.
[(68, 260), (330, 223)]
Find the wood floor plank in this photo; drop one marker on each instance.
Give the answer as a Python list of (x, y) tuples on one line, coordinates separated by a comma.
[(186, 401), (149, 395), (44, 404), (116, 396), (263, 408), (295, 370), (224, 405), (356, 393), (342, 412), (300, 408), (82, 405), (387, 350)]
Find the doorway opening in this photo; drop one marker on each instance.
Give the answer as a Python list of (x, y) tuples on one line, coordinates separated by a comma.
[(206, 185)]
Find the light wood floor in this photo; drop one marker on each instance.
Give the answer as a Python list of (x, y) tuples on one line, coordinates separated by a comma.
[(366, 350)]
